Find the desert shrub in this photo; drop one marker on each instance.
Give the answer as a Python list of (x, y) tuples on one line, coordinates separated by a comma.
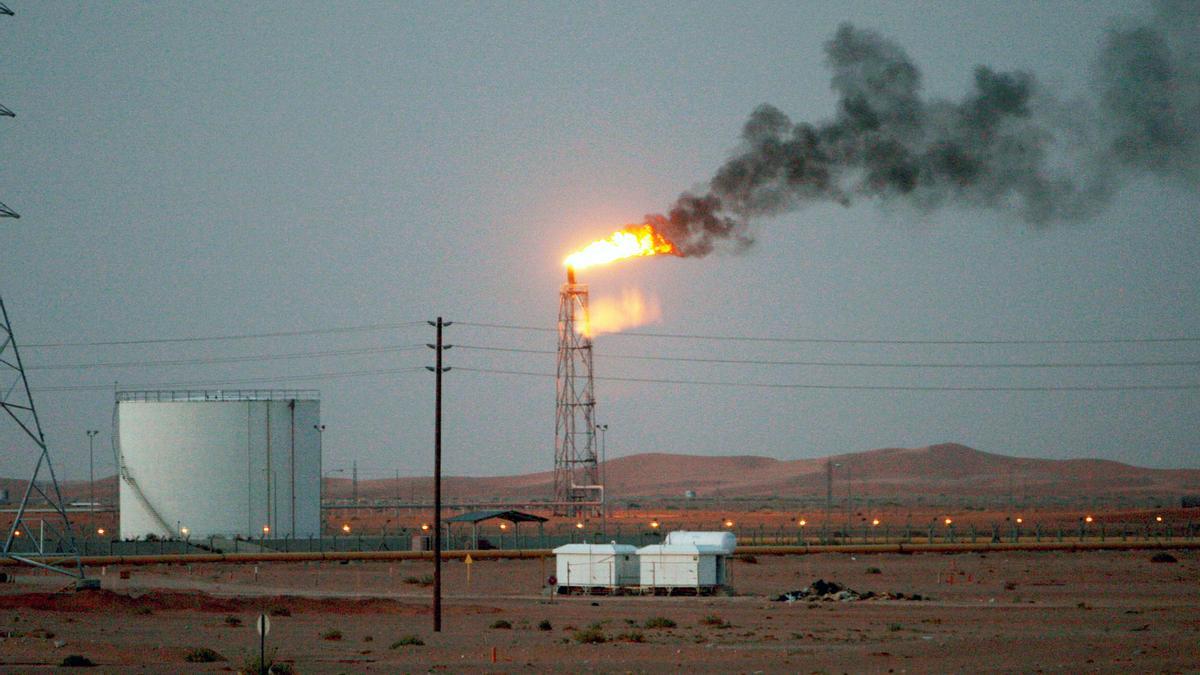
[(232, 620), (412, 580), (874, 570), (590, 636), (1163, 557), (368, 638), (545, 624), (747, 558), (143, 611), (279, 610), (893, 627), (1010, 586), (501, 624), (251, 665), (715, 621), (408, 640), (332, 634), (631, 636), (202, 655), (659, 622), (76, 661)]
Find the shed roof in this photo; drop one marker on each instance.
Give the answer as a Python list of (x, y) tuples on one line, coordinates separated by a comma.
[(510, 516), (595, 549), (682, 549)]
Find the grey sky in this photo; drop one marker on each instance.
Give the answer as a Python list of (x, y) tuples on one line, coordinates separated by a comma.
[(192, 169)]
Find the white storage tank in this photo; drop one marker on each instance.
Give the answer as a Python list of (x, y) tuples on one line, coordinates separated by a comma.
[(196, 464), (590, 566)]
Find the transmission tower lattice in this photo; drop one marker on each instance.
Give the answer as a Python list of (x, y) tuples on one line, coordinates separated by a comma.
[(577, 488), (62, 553)]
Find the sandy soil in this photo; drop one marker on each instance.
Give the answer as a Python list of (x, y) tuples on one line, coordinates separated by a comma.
[(1099, 611)]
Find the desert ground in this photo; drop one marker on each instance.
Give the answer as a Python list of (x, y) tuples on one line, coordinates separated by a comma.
[(1064, 611), (1101, 611)]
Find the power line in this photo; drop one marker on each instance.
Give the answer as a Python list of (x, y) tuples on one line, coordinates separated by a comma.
[(857, 387), (228, 359), (636, 357), (238, 336), (224, 383), (862, 341), (677, 336), (720, 383), (857, 364)]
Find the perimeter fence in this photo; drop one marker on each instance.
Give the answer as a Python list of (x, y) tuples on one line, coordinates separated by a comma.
[(487, 537)]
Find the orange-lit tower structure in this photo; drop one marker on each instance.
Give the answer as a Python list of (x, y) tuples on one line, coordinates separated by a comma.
[(577, 488)]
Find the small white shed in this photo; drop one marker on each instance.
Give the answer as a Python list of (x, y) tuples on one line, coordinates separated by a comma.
[(595, 566), (688, 560)]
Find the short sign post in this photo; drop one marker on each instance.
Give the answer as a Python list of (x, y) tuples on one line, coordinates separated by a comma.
[(264, 627), (469, 561)]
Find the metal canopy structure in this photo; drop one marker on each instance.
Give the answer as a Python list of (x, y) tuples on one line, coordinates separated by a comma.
[(476, 517)]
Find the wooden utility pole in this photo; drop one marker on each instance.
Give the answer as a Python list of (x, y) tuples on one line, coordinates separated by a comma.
[(437, 474)]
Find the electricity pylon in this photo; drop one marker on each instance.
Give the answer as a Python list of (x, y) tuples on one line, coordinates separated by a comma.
[(62, 553)]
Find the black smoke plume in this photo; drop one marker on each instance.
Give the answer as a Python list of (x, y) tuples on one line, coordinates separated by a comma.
[(1007, 145)]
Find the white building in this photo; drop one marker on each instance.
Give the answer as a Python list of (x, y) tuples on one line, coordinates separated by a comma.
[(688, 560), (596, 566), (225, 463)]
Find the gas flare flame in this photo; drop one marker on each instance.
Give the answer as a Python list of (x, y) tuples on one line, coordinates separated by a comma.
[(631, 241)]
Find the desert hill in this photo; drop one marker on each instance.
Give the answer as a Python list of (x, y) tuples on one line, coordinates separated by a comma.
[(944, 469)]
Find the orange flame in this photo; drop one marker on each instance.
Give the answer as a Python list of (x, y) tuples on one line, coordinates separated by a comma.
[(613, 315), (629, 242)]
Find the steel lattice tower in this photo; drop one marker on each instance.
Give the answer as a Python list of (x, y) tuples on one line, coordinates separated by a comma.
[(576, 473), (16, 402)]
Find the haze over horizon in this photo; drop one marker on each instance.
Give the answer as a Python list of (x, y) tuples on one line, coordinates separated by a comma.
[(236, 170)]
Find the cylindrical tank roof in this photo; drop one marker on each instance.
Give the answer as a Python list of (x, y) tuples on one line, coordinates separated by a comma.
[(168, 395)]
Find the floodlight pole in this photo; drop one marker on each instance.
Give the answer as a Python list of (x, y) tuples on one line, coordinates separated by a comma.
[(437, 472), (91, 434)]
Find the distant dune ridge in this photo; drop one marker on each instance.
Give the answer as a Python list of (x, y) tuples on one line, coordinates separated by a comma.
[(943, 469)]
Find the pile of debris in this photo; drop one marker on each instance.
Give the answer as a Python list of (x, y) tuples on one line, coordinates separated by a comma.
[(829, 591)]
